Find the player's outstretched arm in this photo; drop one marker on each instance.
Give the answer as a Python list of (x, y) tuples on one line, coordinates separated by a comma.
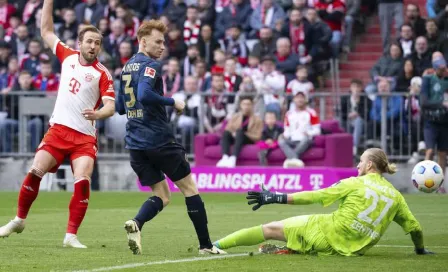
[(47, 25)]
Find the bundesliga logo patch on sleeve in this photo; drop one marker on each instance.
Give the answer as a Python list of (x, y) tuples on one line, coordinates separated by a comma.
[(150, 72)]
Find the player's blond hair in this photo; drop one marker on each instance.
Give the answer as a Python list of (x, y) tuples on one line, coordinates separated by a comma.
[(379, 159), (146, 28)]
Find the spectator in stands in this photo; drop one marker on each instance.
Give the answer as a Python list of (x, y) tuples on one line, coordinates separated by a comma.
[(190, 60), (31, 61), (9, 77), (301, 5), (131, 22), (175, 43), (270, 84), (138, 7), (176, 12), (389, 10), (231, 78), (10, 125), (266, 45), (110, 13), (332, 12), (405, 76), (433, 36), (29, 11), (247, 88), (118, 35), (269, 137), (206, 12), (19, 41), (442, 19), (355, 112), (252, 67), (234, 44), (207, 45), (216, 104), (172, 80), (268, 14), (421, 57), (203, 77), (90, 12), (414, 19), (243, 128), (6, 11), (296, 29), (317, 45), (286, 62), (299, 84), (59, 6), (5, 54), (220, 60), (301, 125), (386, 68), (237, 12), (69, 29), (46, 80), (434, 7), (412, 107), (192, 26), (125, 51), (14, 22), (406, 40), (393, 112), (434, 103), (103, 27), (353, 8), (188, 121)]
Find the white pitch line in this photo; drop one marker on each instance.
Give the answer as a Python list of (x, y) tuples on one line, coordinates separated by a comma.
[(403, 246), (188, 260), (199, 259)]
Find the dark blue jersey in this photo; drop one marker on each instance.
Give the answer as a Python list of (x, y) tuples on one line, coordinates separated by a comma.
[(141, 99)]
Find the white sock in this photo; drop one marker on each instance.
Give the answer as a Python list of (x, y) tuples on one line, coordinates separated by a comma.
[(69, 235), (18, 220)]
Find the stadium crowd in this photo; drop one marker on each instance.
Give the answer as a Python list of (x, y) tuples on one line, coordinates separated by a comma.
[(262, 48)]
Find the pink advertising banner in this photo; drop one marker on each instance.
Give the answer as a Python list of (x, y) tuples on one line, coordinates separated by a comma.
[(242, 179)]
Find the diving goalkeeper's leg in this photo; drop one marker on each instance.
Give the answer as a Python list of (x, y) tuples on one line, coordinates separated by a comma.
[(253, 236)]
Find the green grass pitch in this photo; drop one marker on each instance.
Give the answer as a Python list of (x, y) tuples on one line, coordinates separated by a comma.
[(170, 236)]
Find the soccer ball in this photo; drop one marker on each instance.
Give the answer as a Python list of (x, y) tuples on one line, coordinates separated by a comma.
[(427, 176)]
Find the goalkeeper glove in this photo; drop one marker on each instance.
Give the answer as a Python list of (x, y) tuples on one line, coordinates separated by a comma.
[(423, 251), (265, 197)]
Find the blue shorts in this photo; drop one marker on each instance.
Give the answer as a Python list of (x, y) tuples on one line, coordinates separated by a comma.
[(436, 135), (152, 165)]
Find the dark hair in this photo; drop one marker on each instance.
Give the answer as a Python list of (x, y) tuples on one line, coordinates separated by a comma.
[(431, 20), (34, 40), (246, 97), (405, 24), (200, 61), (45, 62), (173, 59), (399, 47), (89, 28), (192, 7), (218, 75), (24, 72), (357, 81), (295, 9), (300, 67)]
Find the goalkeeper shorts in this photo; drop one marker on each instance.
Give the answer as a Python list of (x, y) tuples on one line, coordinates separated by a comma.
[(304, 236)]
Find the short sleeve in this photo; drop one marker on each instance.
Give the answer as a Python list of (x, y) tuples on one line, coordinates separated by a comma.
[(149, 72), (106, 85), (62, 51), (406, 219)]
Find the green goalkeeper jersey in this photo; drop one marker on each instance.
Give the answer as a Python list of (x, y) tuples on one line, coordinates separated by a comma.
[(368, 204)]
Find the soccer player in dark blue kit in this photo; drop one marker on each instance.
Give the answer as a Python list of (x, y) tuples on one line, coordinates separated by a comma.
[(153, 149)]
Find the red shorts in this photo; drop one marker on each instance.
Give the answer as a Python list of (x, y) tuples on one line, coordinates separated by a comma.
[(61, 141)]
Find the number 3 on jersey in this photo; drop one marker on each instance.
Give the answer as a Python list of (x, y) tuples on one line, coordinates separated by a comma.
[(129, 91), (364, 215)]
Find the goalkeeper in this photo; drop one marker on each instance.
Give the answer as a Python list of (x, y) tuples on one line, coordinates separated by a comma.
[(368, 204)]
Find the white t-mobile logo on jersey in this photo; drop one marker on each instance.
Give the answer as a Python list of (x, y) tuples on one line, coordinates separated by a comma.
[(316, 180)]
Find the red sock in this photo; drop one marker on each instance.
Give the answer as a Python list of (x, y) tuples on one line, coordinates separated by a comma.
[(28, 193), (78, 205)]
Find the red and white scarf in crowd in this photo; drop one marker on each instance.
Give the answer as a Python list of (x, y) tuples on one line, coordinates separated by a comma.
[(229, 82), (176, 85), (267, 15), (28, 10), (191, 32)]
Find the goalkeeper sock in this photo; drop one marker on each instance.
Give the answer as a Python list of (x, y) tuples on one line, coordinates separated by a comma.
[(245, 237), (198, 215), (78, 205), (148, 211)]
